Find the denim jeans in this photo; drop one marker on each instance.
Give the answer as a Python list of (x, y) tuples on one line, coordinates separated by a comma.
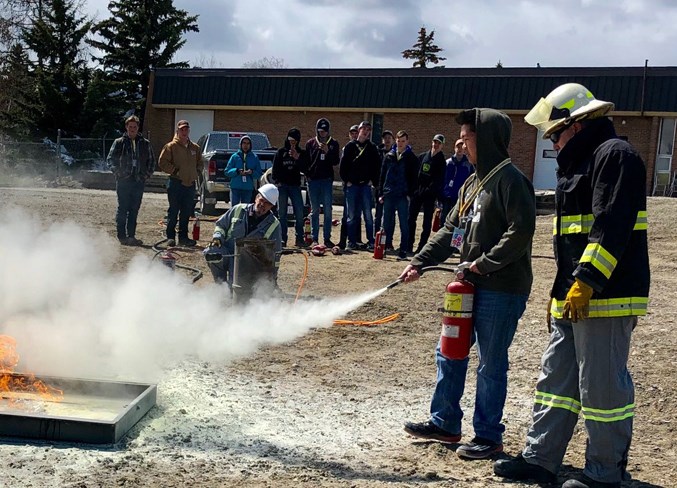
[(240, 196), (495, 316), (321, 194), (181, 205), (358, 202), (130, 193), (292, 193), (401, 206)]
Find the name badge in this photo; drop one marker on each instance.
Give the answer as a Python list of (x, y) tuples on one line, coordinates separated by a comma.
[(457, 237), (322, 157), (244, 179), (135, 163)]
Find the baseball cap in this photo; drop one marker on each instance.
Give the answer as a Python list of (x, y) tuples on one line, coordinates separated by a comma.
[(182, 123), (387, 132), (439, 138), (353, 128), (364, 123)]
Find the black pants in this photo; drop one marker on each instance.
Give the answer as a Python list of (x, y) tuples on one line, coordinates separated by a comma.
[(415, 205), (181, 205)]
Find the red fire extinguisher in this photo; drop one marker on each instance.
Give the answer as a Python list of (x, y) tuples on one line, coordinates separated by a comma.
[(380, 244), (196, 229), (307, 237), (437, 221), (457, 322)]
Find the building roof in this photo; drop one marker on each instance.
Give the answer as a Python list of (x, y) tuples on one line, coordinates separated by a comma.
[(632, 89)]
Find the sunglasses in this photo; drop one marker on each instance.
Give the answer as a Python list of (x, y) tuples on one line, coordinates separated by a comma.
[(554, 137)]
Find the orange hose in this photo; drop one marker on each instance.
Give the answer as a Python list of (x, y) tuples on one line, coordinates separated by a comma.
[(368, 323)]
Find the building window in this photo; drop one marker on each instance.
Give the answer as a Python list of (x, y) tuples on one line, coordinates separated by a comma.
[(663, 169)]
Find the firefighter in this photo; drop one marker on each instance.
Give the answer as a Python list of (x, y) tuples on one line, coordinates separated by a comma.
[(253, 221), (600, 288)]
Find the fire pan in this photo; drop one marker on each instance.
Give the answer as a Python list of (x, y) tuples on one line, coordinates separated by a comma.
[(91, 411)]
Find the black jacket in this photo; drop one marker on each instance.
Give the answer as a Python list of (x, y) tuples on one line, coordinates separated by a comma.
[(600, 227), (360, 163), (287, 170), (321, 165), (430, 176)]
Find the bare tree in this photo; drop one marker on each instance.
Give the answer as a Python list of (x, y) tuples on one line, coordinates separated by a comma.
[(207, 62), (266, 63)]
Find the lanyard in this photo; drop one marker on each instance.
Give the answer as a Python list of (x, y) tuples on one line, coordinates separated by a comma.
[(465, 204)]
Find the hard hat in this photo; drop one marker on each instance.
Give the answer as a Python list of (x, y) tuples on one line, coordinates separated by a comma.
[(270, 193), (564, 105)]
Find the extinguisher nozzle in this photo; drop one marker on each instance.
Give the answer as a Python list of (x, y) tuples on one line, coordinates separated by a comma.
[(393, 284)]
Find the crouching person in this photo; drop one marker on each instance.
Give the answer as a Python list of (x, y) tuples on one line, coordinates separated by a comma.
[(245, 220)]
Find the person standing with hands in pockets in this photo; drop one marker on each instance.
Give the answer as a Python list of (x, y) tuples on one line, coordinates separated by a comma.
[(492, 224)]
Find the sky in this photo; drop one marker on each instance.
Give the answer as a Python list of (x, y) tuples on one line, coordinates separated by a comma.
[(373, 33)]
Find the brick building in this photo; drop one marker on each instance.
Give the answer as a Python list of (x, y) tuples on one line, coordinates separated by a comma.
[(424, 102)]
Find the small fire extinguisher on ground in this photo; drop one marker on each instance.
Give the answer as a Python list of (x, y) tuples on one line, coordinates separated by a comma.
[(307, 237), (457, 321), (380, 244), (437, 220), (196, 228)]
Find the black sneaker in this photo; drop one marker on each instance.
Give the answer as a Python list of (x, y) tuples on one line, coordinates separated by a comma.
[(479, 448), (171, 242), (584, 481), (428, 430), (185, 242), (133, 241), (519, 469), (402, 256), (329, 244)]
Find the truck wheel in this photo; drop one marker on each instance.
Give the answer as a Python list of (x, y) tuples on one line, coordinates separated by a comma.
[(207, 208)]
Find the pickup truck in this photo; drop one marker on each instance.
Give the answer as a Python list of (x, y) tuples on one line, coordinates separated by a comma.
[(216, 148)]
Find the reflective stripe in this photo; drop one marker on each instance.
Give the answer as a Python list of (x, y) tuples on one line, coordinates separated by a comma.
[(554, 401), (614, 415), (600, 258), (581, 224), (609, 307), (271, 229), (234, 218)]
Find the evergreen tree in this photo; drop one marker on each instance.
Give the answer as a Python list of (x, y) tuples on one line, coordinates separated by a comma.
[(56, 39), (16, 102), (424, 51), (103, 106), (140, 35)]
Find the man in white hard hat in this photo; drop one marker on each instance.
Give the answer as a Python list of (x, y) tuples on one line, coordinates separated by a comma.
[(245, 220), (601, 287)]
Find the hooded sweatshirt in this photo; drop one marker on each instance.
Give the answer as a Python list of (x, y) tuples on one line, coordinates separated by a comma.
[(244, 161), (321, 164), (286, 169), (499, 225)]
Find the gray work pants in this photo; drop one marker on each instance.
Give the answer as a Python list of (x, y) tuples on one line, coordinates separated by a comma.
[(584, 370)]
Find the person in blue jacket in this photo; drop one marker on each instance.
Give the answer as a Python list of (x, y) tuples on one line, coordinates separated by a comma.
[(244, 170)]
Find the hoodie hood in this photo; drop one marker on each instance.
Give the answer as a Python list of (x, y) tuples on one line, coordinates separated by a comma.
[(250, 142), (493, 130), (296, 134), (322, 124)]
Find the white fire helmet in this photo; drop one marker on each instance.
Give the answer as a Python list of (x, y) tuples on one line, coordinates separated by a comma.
[(564, 105), (270, 193)]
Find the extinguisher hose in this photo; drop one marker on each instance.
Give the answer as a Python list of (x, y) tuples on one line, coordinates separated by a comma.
[(438, 268)]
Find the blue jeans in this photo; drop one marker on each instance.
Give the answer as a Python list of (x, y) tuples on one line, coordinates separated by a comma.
[(401, 206), (320, 194), (130, 193), (358, 202), (181, 205), (292, 193), (495, 316), (240, 196)]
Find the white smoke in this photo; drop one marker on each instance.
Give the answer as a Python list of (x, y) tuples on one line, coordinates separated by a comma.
[(72, 316)]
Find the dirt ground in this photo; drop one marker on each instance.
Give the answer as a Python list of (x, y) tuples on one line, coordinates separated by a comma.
[(326, 409)]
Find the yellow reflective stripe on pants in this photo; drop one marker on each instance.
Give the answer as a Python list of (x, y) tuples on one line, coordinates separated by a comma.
[(607, 307), (600, 258), (550, 400), (581, 224), (614, 415)]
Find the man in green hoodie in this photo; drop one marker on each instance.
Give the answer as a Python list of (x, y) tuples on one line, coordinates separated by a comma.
[(493, 222)]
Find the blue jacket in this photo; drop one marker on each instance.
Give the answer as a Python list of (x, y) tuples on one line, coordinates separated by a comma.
[(398, 174), (455, 175), (238, 162)]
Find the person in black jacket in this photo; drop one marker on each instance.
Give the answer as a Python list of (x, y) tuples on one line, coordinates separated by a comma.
[(600, 288), (132, 162), (429, 181), (288, 164), (359, 168), (323, 155)]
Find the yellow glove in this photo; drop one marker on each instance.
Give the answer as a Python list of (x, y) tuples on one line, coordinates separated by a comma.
[(576, 305)]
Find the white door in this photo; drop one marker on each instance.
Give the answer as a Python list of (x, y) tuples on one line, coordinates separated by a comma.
[(545, 164), (201, 121)]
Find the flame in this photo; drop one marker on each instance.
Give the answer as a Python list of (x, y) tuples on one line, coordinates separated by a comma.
[(13, 385)]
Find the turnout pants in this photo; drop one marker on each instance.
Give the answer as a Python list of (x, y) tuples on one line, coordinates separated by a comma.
[(584, 371)]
